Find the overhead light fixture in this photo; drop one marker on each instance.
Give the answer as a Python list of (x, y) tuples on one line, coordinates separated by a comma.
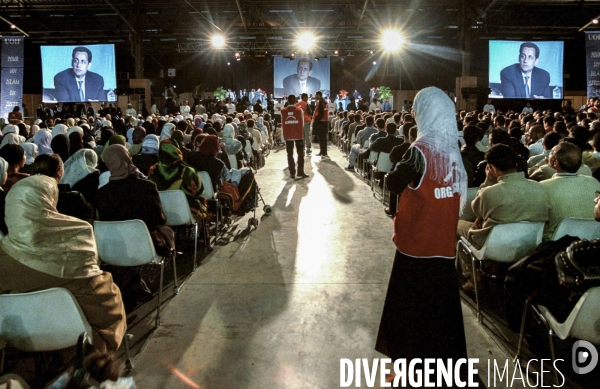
[(275, 11), (218, 41), (306, 40)]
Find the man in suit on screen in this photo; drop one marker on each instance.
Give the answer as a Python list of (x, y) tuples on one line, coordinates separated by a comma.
[(301, 82), (523, 79), (77, 84)]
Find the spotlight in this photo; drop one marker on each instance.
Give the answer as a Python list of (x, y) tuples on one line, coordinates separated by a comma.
[(238, 58), (13, 26), (218, 41), (595, 21), (306, 40), (237, 54), (374, 62), (371, 52), (228, 63), (392, 40), (336, 52)]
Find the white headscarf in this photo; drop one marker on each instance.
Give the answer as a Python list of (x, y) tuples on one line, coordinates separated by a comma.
[(74, 129), (166, 131), (42, 139), (10, 139), (31, 152), (10, 129), (3, 170), (59, 129), (435, 115), (79, 166), (43, 239)]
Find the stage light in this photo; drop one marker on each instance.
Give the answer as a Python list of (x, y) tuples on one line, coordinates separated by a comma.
[(218, 41), (237, 54), (374, 62), (306, 41), (228, 63), (595, 21), (391, 40), (336, 52)]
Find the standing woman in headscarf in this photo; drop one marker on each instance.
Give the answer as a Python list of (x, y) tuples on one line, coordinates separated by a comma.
[(46, 249), (422, 315), (172, 173), (15, 156), (60, 146)]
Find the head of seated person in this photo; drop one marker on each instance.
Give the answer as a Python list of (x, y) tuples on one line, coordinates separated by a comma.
[(471, 134), (565, 157)]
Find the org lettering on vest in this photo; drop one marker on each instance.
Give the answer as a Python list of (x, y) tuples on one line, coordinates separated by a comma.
[(444, 192)]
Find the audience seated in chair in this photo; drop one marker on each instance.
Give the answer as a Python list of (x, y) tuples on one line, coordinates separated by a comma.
[(506, 197), (171, 173), (82, 175), (569, 194), (204, 158), (47, 249), (15, 156)]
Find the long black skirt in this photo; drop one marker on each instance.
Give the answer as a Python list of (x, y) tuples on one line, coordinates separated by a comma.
[(422, 316)]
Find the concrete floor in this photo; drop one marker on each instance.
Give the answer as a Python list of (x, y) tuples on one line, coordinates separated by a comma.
[(280, 306)]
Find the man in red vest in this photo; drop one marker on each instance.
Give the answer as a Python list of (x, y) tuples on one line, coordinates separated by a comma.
[(292, 123)]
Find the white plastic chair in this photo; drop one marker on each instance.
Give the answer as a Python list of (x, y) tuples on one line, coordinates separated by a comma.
[(383, 165), (44, 320), (582, 323), (177, 211), (367, 162), (581, 228), (468, 213), (506, 243), (233, 162), (128, 243)]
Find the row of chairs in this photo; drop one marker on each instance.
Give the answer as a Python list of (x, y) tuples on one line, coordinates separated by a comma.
[(53, 319), (508, 243)]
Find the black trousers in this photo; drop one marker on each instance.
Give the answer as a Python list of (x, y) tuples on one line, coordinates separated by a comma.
[(321, 130), (289, 148)]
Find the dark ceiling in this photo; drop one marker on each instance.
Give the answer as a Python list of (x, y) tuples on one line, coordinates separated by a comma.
[(256, 25)]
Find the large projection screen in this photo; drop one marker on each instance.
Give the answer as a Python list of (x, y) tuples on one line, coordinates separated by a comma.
[(509, 65), (288, 74), (61, 73)]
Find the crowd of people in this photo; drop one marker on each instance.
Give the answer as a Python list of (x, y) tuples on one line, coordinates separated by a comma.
[(540, 166)]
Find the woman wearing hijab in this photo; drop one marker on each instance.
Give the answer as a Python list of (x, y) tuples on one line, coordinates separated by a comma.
[(171, 173), (179, 138), (46, 249), (31, 153), (10, 135), (204, 158), (60, 146), (128, 195), (3, 176), (114, 140), (15, 156), (34, 130), (58, 130), (75, 142), (82, 175), (166, 131), (232, 145), (42, 139), (148, 156), (105, 135), (423, 292)]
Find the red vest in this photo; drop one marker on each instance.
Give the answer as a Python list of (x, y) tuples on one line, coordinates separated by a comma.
[(292, 123), (427, 217)]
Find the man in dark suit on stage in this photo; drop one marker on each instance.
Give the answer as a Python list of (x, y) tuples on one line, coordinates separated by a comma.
[(77, 84), (523, 79), (302, 82)]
